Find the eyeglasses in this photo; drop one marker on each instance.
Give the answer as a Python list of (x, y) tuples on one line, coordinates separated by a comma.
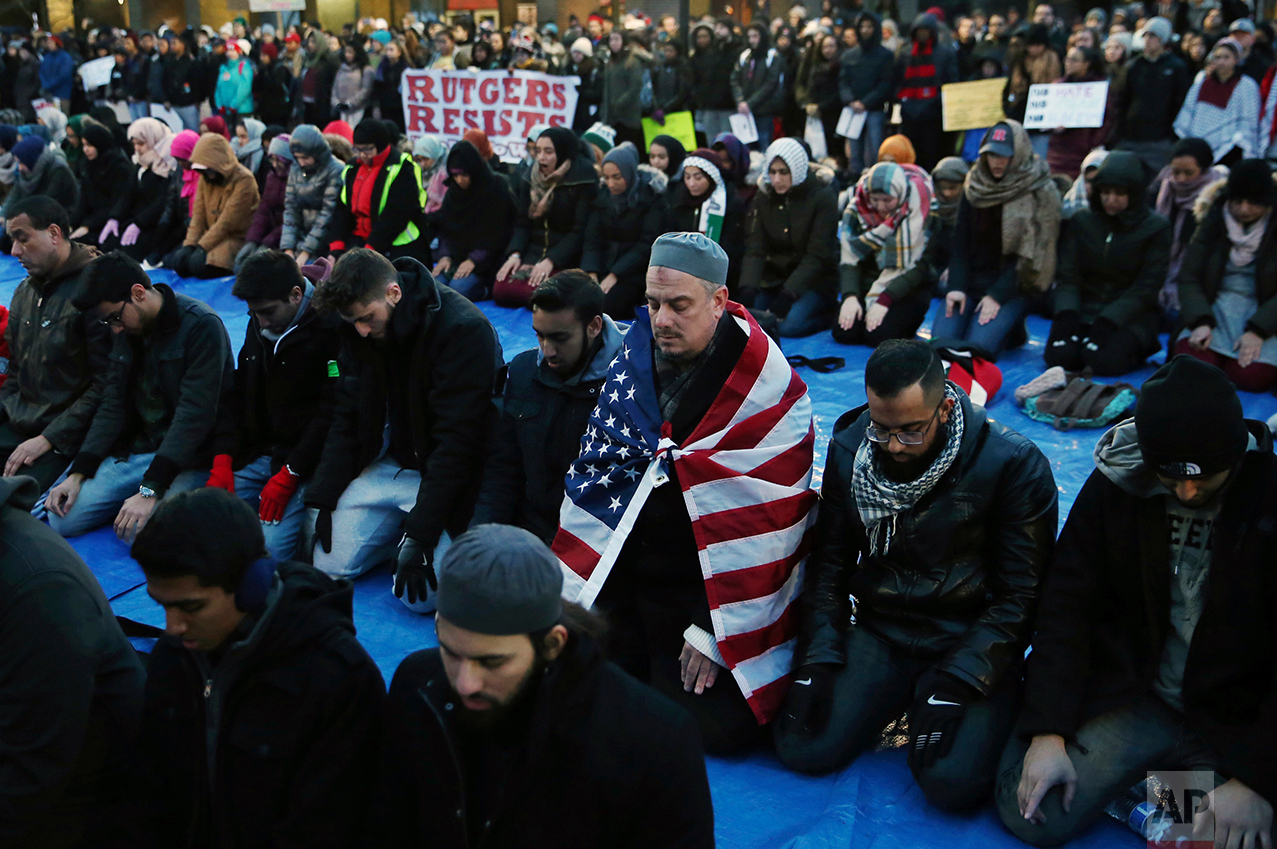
[(882, 435), (115, 319)]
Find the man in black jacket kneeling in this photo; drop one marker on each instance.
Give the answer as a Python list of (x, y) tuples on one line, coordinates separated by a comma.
[(1155, 648), (516, 730), (935, 527)]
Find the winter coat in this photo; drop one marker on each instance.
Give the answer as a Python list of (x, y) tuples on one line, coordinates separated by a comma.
[(352, 87), (222, 213), (622, 90), (682, 215), (234, 88), (268, 220), (1150, 98), (386, 90), (276, 745), (1112, 267), (57, 358), (588, 93), (944, 64), (183, 80), (672, 86), (560, 233), (57, 73), (27, 85), (1201, 274), (473, 223), (868, 70), (760, 84), (603, 753), (401, 207), (271, 86), (452, 377), (1105, 612), (792, 239), (619, 242), (107, 193), (149, 201), (51, 177), (539, 435), (72, 692), (311, 197), (958, 584), (190, 353), (711, 72), (282, 402)]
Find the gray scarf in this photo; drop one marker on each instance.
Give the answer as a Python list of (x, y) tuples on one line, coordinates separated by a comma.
[(880, 500)]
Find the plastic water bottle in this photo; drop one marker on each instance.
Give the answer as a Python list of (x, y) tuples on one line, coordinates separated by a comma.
[(1144, 818)]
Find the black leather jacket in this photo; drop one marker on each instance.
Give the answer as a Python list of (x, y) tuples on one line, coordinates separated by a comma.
[(961, 578)]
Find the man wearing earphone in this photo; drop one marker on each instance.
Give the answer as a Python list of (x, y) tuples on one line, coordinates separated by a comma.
[(262, 713)]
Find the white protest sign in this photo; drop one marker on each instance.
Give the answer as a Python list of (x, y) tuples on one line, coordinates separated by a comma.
[(96, 73), (504, 104), (743, 127), (851, 123), (1066, 105)]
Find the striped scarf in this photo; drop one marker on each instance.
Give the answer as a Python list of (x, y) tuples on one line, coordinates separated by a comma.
[(920, 74), (896, 241), (714, 207)]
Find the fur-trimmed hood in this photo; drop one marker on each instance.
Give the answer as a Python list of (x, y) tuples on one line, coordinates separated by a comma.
[(1214, 193)]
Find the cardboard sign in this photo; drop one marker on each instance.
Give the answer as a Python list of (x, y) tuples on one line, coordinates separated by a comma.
[(972, 106), (1066, 105), (504, 104), (679, 125)]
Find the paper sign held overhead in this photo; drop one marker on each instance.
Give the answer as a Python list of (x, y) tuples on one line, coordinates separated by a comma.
[(743, 127), (972, 106), (1067, 105)]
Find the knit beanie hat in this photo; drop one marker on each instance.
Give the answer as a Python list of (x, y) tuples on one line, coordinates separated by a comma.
[(500, 580), (601, 136), (28, 151), (1252, 180), (1189, 420), (792, 154), (1161, 28), (279, 146), (372, 131), (582, 45)]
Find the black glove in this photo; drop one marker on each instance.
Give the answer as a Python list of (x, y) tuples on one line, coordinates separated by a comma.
[(1100, 334), (783, 303), (176, 257), (810, 696), (940, 702), (415, 570), (324, 530), (195, 261), (1064, 329)]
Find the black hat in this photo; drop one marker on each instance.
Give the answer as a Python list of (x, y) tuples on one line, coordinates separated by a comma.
[(1000, 140), (1037, 34), (373, 131), (1252, 180), (500, 580), (1189, 420)]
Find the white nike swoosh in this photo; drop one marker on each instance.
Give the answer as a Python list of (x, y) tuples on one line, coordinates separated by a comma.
[(931, 700), (804, 683)]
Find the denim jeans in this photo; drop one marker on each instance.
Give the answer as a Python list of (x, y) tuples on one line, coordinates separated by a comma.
[(473, 286), (991, 337), (139, 110), (864, 150), (190, 116), (102, 495), (811, 313), (281, 536)]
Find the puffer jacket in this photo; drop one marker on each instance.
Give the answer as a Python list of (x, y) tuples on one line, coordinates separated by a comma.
[(268, 220), (959, 583), (868, 69), (57, 358), (311, 198), (52, 177), (560, 233), (222, 214), (1112, 267), (792, 239), (761, 84)]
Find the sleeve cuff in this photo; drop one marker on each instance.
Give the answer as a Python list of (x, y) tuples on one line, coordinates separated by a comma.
[(161, 473), (704, 642), (86, 464), (886, 299)]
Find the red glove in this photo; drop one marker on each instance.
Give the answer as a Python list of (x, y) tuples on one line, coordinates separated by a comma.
[(222, 477), (275, 494)]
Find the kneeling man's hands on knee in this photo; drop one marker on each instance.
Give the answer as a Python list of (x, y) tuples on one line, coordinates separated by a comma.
[(698, 671), (1046, 764), (1242, 818), (940, 703), (810, 695)]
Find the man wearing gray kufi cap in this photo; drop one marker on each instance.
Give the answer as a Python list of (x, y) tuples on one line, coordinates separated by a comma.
[(517, 730)]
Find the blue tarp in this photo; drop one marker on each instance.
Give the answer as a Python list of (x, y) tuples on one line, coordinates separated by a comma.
[(757, 802)]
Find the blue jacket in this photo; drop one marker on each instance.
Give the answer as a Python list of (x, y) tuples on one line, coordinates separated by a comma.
[(235, 87), (57, 72)]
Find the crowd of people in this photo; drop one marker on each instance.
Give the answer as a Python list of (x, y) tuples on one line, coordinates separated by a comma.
[(617, 531)]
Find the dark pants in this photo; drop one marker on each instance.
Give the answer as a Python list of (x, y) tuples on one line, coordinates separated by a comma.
[(811, 313), (1121, 353), (620, 301), (1112, 752), (875, 687), (902, 321), (928, 138), (45, 470)]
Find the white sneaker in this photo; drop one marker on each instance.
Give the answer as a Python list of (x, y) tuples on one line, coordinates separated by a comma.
[(146, 266)]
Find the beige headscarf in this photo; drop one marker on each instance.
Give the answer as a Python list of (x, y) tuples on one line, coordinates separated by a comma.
[(1030, 210), (158, 137)]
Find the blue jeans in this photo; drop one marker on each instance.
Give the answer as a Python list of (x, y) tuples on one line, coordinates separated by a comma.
[(102, 495), (764, 124), (473, 286), (281, 536), (139, 110), (811, 313), (991, 337), (864, 150), (190, 116)]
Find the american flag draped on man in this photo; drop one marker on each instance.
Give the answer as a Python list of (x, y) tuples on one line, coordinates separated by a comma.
[(745, 472)]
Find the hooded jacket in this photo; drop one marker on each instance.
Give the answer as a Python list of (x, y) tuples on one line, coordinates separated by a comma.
[(57, 358), (959, 583), (868, 69), (1112, 267), (1150, 97), (711, 74), (603, 755), (72, 689), (916, 75), (792, 239), (311, 197), (473, 223), (222, 213), (234, 87), (1106, 610), (560, 233), (758, 77), (51, 177), (453, 361), (543, 418), (109, 183), (276, 744)]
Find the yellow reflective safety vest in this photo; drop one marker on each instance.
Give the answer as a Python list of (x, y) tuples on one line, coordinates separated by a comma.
[(410, 233)]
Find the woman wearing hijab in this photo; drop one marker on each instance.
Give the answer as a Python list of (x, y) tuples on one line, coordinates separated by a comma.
[(666, 154), (381, 198), (71, 144), (701, 202), (311, 196), (215, 124), (473, 225), (319, 69), (247, 143), (1112, 266), (1078, 197), (625, 219), (140, 233), (479, 139), (386, 94), (886, 284), (1004, 245), (182, 147), (429, 154), (790, 247), (268, 220), (224, 204), (1222, 107), (733, 163), (53, 118), (105, 116), (106, 193), (1175, 191), (41, 171), (897, 149), (552, 205)]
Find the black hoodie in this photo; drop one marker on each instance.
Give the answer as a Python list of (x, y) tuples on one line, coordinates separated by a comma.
[(275, 744), (711, 72), (758, 77), (867, 69)]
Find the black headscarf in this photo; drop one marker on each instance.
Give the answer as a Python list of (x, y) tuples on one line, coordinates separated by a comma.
[(676, 151), (471, 211), (566, 144), (105, 116)]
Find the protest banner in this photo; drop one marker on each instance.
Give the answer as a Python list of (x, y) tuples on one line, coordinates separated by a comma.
[(96, 72), (972, 106), (506, 105), (1066, 105), (679, 125)]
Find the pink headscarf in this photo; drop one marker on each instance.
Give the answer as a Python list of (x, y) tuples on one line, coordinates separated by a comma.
[(182, 146)]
